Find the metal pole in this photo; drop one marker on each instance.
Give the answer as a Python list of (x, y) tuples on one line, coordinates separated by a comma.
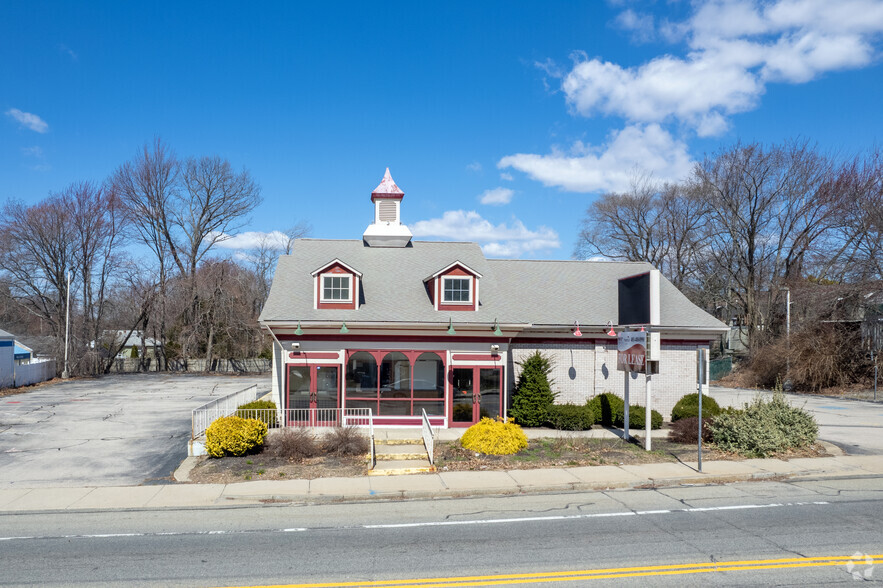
[(67, 326), (625, 417), (647, 410), (700, 363), (788, 335)]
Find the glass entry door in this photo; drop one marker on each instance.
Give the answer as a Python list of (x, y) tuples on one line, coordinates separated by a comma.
[(475, 393), (313, 395)]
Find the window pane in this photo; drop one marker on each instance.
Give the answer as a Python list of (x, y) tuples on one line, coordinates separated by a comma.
[(429, 377), (395, 376), (335, 288), (361, 376), (456, 290)]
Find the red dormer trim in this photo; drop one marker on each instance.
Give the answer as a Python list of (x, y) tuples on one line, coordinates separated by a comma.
[(436, 283), (336, 269)]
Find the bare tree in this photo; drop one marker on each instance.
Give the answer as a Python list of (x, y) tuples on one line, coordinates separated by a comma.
[(769, 208)]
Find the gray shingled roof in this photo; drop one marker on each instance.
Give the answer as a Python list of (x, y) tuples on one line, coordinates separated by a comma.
[(5, 335), (512, 291)]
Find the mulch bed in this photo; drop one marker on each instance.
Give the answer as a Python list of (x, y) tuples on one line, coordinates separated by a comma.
[(540, 453)]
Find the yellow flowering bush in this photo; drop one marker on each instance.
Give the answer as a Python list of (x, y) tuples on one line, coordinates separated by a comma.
[(494, 437), (233, 435)]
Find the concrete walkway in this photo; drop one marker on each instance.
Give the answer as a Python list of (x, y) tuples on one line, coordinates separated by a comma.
[(435, 485)]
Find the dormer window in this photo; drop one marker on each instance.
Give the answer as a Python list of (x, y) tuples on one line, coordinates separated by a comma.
[(336, 288), (454, 287), (457, 290), (336, 285)]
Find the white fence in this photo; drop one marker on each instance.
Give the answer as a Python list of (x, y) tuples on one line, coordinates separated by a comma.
[(202, 417), (34, 373)]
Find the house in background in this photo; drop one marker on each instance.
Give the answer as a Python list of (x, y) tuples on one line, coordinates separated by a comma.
[(402, 326), (19, 367), (7, 359)]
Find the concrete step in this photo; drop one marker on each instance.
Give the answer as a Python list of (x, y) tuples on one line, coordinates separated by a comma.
[(386, 452), (401, 466), (399, 442)]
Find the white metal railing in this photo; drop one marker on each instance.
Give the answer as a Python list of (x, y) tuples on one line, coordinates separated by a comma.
[(428, 437), (295, 417), (202, 417)]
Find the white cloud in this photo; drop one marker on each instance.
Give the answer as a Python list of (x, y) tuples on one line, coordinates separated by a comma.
[(34, 151), (474, 167), (497, 196), (506, 176), (636, 149), (640, 25), (28, 120), (502, 240), (252, 240), (735, 48)]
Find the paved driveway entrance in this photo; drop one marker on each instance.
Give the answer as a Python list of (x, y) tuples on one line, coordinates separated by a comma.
[(853, 425), (109, 431)]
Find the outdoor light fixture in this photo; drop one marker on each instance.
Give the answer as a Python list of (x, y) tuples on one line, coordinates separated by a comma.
[(610, 331), (451, 330), (298, 331), (576, 332), (343, 329), (495, 349), (642, 329), (497, 330), (295, 346)]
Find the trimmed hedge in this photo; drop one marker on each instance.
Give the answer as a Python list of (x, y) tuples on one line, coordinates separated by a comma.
[(250, 410), (637, 418), (571, 417), (494, 437), (608, 408), (233, 435), (688, 406), (764, 427)]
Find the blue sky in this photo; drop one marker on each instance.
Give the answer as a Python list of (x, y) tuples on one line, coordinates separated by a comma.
[(501, 121)]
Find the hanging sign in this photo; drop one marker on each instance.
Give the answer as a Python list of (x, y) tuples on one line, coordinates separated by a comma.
[(632, 352)]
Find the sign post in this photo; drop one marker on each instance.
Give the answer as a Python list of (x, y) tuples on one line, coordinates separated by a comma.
[(701, 378)]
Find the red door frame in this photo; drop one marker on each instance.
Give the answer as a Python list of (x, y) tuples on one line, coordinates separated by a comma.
[(476, 392), (314, 390)]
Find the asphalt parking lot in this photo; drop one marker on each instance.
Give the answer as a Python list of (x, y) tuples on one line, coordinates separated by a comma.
[(109, 431)]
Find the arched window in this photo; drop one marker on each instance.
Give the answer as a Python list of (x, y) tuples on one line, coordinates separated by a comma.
[(361, 381), (429, 385)]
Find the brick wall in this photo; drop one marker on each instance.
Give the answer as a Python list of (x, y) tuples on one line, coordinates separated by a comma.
[(584, 371)]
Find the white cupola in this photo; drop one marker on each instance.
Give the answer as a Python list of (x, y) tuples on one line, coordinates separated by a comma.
[(387, 229)]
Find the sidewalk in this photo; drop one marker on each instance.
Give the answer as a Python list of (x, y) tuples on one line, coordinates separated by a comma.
[(435, 485)]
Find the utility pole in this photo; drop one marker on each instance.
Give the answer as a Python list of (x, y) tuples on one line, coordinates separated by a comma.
[(67, 326)]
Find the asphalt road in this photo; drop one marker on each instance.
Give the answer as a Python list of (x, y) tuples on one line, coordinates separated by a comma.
[(676, 536), (855, 426), (110, 431)]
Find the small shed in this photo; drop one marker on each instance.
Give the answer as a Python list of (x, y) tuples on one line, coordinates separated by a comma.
[(7, 359)]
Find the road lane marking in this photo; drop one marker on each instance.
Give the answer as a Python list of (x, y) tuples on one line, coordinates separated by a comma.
[(596, 574), (601, 515)]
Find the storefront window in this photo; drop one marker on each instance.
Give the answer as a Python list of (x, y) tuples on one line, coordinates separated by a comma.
[(361, 381), (398, 386), (429, 385)]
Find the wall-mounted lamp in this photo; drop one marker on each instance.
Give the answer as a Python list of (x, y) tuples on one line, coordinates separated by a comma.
[(343, 329), (295, 346), (495, 349), (576, 331), (451, 330), (610, 331), (497, 330), (298, 331)]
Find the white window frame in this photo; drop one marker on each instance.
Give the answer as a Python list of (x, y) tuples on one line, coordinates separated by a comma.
[(349, 278), (469, 279)]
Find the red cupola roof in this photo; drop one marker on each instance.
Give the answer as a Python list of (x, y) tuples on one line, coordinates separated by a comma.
[(387, 189)]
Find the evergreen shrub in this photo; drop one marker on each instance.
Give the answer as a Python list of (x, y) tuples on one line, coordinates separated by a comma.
[(234, 435), (494, 437), (571, 417), (533, 392), (764, 427), (609, 409), (688, 406), (262, 410)]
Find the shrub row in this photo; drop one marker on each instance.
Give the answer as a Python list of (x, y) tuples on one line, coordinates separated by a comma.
[(688, 406), (610, 411)]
